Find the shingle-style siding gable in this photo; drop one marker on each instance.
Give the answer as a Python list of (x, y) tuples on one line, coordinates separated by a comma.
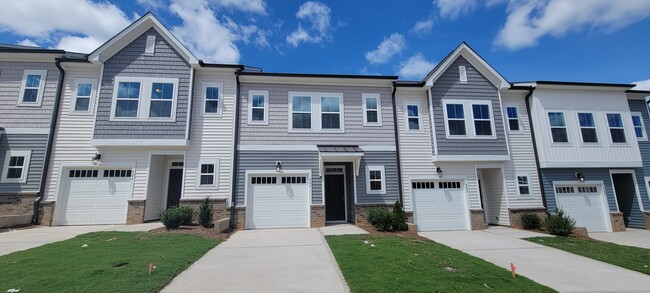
[(478, 87), (132, 61)]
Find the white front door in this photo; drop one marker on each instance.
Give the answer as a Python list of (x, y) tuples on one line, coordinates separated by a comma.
[(277, 201), (584, 203), (439, 205)]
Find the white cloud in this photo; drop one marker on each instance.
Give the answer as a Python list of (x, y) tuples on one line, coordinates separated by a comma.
[(79, 44), (422, 27), (530, 20), (452, 9), (28, 42), (388, 48), (254, 6), (152, 4), (318, 16), (415, 67), (642, 85)]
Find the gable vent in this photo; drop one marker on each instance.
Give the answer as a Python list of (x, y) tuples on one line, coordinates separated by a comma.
[(463, 74), (151, 45)]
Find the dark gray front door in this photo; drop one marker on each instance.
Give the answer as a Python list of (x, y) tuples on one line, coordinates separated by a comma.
[(335, 197), (174, 187), (625, 195)]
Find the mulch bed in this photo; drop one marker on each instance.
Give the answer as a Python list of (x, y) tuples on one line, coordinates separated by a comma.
[(197, 229), (406, 234)]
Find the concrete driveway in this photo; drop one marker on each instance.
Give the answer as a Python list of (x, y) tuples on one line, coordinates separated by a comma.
[(562, 271), (17, 240), (283, 260), (629, 237)]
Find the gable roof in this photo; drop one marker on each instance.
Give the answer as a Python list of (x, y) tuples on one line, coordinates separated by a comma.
[(473, 58), (134, 30)]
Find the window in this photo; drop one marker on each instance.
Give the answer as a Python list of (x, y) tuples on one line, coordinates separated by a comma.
[(264, 180), (482, 120), (639, 128), (330, 112), (564, 189), (558, 127), (212, 99), (16, 166), (294, 180), (127, 100), (144, 99), (616, 129), (456, 120), (587, 127), (259, 107), (83, 173), (151, 45), (123, 173), (207, 173), (371, 110), (462, 71), (84, 92), (301, 112), (375, 183), (513, 118), (31, 90), (162, 95), (413, 116), (524, 185)]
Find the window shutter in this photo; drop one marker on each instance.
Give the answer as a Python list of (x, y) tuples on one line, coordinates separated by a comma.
[(463, 74), (151, 45)]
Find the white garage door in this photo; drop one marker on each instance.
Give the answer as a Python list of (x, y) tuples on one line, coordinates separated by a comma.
[(439, 205), (583, 203), (92, 197), (277, 202)]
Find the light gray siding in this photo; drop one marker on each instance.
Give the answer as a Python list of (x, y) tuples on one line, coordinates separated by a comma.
[(389, 161), (11, 78), (478, 87), (132, 62), (277, 131), (20, 142)]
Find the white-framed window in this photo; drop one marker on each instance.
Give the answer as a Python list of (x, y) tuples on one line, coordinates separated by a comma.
[(32, 87), (144, 99), (258, 110), (482, 119), (375, 180), (455, 116), (523, 185), (330, 108), (639, 126), (616, 128), (207, 174), (301, 116), (587, 127), (477, 113), (558, 127), (413, 116), (84, 96), (321, 112), (16, 166), (212, 99), (371, 109), (514, 124)]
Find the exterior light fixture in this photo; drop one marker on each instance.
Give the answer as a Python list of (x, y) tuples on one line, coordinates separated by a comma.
[(439, 171), (278, 166), (580, 177), (96, 158)]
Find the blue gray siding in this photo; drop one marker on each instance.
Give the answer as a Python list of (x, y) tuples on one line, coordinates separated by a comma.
[(20, 142), (11, 78), (389, 161), (644, 147), (132, 62), (478, 87), (277, 131)]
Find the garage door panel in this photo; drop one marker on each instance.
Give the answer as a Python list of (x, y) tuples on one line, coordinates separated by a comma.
[(584, 204), (439, 205), (273, 204)]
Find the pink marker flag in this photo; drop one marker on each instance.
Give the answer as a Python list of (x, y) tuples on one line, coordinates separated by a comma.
[(513, 269), (150, 267)]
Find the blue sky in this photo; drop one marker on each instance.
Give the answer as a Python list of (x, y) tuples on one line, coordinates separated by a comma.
[(567, 40)]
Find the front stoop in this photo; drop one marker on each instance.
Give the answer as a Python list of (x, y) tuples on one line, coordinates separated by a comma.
[(515, 215), (135, 213), (46, 212), (618, 224), (361, 211), (477, 217), (317, 217)]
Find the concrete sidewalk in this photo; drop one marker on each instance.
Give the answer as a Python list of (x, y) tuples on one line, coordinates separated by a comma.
[(629, 237), (282, 260), (18, 240), (562, 271)]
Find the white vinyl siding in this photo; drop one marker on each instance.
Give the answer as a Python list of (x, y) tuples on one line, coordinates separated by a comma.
[(212, 99), (258, 109), (371, 109), (31, 90), (144, 99), (375, 180)]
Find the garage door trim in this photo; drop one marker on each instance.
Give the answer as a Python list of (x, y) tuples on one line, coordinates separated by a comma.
[(463, 183), (603, 196)]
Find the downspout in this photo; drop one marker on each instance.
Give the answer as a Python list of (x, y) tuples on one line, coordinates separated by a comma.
[(50, 139), (399, 160), (235, 169), (532, 135)]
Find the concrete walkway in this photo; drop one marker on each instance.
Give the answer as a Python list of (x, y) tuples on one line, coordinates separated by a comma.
[(282, 260), (629, 237), (18, 240), (562, 271), (342, 229)]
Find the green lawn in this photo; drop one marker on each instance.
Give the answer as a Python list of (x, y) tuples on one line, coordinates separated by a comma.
[(112, 262), (633, 258), (398, 264)]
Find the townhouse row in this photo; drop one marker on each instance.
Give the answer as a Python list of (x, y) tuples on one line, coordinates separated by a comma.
[(140, 124)]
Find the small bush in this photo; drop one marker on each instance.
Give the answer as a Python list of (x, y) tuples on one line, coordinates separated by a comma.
[(205, 213), (381, 219), (188, 214), (531, 221), (399, 218), (176, 216), (559, 224)]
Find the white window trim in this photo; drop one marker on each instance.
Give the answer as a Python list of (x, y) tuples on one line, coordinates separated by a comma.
[(144, 101), (383, 179), (595, 127), (150, 47), (643, 131), (519, 122), (406, 116), (462, 72), (204, 100), (215, 182), (41, 88), (315, 112), (530, 190), (252, 93), (566, 127), (470, 129), (23, 179), (364, 97), (611, 140), (93, 94)]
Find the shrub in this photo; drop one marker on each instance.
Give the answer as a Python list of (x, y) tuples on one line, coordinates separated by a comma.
[(399, 218), (381, 219), (205, 213), (187, 214), (176, 216), (531, 221), (559, 224)]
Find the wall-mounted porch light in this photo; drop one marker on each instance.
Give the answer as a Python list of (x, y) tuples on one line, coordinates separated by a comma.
[(439, 171), (278, 166), (580, 177), (97, 158)]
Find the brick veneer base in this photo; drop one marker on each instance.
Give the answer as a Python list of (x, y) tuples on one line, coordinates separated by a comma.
[(135, 212), (16, 209), (220, 209), (477, 218), (240, 218), (46, 213), (409, 217), (317, 217), (646, 217), (618, 224), (515, 215), (362, 211)]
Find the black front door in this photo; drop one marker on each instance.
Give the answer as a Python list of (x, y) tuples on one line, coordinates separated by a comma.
[(174, 187), (625, 195), (335, 197)]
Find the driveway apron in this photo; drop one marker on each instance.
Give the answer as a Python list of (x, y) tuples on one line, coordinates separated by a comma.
[(282, 260), (560, 270), (629, 237)]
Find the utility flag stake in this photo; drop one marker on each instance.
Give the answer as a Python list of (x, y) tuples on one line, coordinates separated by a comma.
[(150, 268), (513, 269)]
